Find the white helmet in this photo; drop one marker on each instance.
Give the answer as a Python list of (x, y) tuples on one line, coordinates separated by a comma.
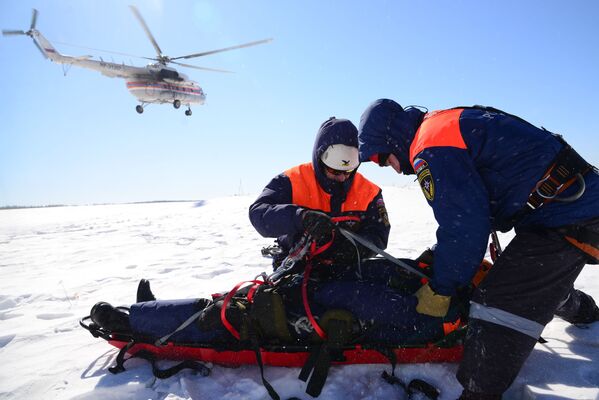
[(341, 157)]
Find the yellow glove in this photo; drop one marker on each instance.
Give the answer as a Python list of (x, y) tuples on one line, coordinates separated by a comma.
[(431, 303)]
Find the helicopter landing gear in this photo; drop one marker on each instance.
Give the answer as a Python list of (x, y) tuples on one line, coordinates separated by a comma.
[(139, 109), (177, 103), (188, 112)]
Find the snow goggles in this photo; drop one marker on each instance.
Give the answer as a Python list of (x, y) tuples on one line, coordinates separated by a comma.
[(338, 172)]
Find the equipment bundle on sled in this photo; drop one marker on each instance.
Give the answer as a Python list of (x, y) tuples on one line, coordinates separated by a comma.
[(308, 313)]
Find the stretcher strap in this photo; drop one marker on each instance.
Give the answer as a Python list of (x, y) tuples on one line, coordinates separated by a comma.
[(414, 387), (382, 252), (120, 359), (184, 325)]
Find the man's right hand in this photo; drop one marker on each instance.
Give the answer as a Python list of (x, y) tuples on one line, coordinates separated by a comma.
[(318, 225)]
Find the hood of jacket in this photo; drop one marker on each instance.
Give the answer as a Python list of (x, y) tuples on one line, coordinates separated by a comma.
[(386, 127), (333, 131)]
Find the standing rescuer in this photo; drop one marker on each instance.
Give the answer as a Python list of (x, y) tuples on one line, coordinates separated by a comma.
[(483, 170)]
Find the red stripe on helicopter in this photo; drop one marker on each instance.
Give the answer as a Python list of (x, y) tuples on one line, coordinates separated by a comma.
[(146, 85)]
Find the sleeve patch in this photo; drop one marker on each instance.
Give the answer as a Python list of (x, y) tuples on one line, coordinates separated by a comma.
[(425, 178)]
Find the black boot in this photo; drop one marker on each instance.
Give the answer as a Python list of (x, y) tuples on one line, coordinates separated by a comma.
[(144, 293), (109, 318), (579, 308)]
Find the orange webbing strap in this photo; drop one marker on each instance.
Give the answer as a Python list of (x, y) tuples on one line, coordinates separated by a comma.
[(591, 250), (227, 300), (481, 273), (449, 327)]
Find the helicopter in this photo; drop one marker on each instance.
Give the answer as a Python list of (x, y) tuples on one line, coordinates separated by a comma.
[(155, 83)]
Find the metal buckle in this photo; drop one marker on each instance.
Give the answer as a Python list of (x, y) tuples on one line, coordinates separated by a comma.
[(538, 185)]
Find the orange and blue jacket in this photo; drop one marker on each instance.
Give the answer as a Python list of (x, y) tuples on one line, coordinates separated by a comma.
[(277, 211), (476, 168)]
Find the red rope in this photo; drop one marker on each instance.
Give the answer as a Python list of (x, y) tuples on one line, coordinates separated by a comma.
[(227, 300), (313, 252), (346, 218)]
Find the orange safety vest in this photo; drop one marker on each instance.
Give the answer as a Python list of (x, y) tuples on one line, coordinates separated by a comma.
[(438, 129), (306, 192)]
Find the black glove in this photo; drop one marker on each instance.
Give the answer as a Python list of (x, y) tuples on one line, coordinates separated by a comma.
[(343, 252), (318, 225), (427, 257)]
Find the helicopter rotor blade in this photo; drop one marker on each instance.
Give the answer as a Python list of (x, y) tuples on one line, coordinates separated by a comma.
[(202, 68), (103, 51), (146, 29), (240, 46), (33, 18), (13, 32)]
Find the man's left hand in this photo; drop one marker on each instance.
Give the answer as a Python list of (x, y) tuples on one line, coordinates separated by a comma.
[(342, 251), (431, 303)]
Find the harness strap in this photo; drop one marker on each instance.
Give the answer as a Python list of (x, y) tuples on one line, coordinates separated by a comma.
[(583, 238), (567, 168)]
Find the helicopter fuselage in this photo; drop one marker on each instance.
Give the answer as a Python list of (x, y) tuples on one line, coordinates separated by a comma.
[(159, 91), (153, 83)]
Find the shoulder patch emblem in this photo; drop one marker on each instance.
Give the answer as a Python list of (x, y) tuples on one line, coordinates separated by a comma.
[(425, 178)]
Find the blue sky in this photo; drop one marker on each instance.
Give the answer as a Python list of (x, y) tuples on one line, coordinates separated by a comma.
[(78, 140)]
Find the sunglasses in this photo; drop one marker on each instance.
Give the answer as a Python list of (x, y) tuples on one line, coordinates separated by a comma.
[(338, 172)]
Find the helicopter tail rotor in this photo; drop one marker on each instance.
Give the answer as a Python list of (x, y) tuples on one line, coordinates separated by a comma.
[(32, 33), (11, 32)]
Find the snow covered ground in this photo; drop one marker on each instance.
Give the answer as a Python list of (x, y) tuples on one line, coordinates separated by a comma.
[(55, 263)]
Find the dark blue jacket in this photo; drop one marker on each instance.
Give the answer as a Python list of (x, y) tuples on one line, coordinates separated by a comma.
[(273, 214), (477, 188)]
